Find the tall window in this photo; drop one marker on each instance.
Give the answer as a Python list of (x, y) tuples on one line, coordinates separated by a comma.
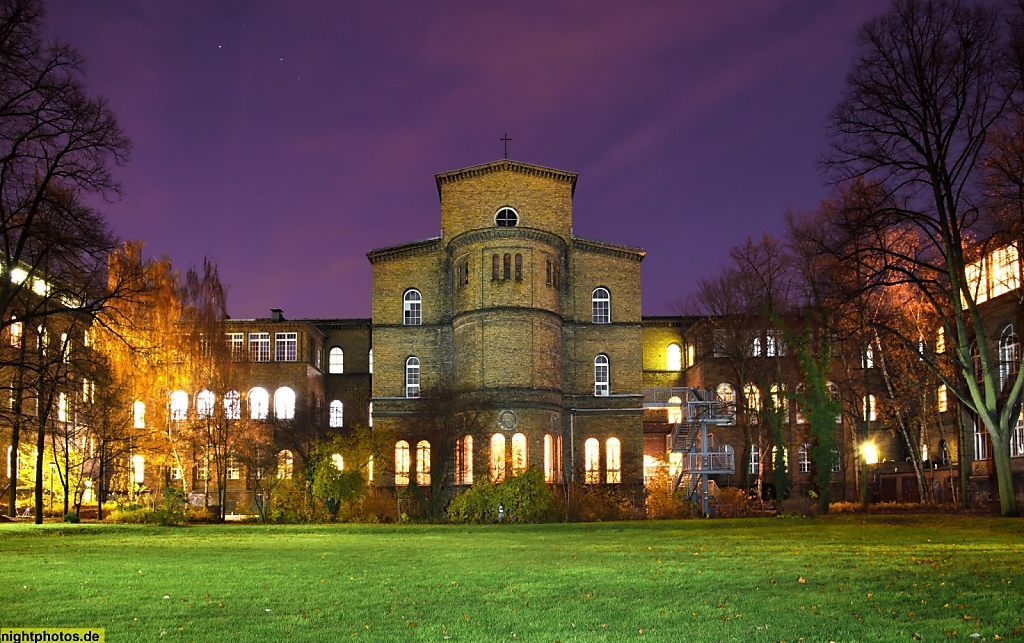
[(675, 409), (591, 461), (774, 346), (518, 454), (497, 457), (801, 393), (869, 357), (464, 460), (234, 471), (139, 414), (1009, 355), (236, 344), (179, 405), (506, 266), (602, 301), (286, 347), (602, 386), (138, 469), (779, 401), (870, 413), (336, 360), (613, 461), (674, 358), (284, 403), (943, 400), (755, 347), (259, 403), (232, 405), (980, 442), (519, 267), (259, 347), (369, 416), (755, 459), (1017, 438), (336, 416), (412, 308), (15, 330), (940, 341), (412, 377), (205, 402), (752, 397), (370, 359), (423, 463), (285, 464), (804, 458), (62, 407), (495, 272), (549, 458), (727, 395), (833, 391), (401, 463), (1004, 270)]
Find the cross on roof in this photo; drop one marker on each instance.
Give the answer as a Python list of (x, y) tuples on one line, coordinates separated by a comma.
[(506, 139)]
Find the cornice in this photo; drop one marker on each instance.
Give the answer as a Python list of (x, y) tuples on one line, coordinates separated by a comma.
[(488, 234), (505, 165), (424, 246), (610, 249)]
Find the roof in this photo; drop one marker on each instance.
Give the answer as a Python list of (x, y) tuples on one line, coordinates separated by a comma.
[(505, 165)]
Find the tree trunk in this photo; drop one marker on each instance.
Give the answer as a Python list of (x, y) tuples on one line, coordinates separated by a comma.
[(1004, 475)]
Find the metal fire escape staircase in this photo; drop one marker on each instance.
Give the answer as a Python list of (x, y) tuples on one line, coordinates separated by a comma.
[(694, 410)]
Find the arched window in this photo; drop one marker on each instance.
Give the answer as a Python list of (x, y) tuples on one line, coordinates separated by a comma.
[(519, 267), (804, 458), (602, 386), (139, 414), (259, 403), (591, 461), (233, 405), (423, 463), (727, 396), (549, 458), (755, 347), (179, 405), (139, 469), (602, 301), (285, 464), (284, 403), (412, 308), (464, 460), (205, 402), (401, 463), (674, 358), (613, 461), (752, 397), (675, 409), (336, 360), (518, 454), (495, 272), (870, 413), (336, 417), (497, 457), (506, 266), (1009, 355), (412, 377)]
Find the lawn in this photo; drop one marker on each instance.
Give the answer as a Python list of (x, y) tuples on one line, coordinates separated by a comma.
[(892, 578)]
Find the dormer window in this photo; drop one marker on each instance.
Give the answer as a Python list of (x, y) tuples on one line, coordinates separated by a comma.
[(506, 218)]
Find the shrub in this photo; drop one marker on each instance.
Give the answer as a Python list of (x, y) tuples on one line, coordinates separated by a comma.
[(734, 502), (598, 503), (376, 506), (525, 498), (71, 516), (129, 516), (201, 515)]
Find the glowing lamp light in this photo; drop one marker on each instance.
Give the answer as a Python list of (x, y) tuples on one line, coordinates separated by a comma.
[(338, 461), (869, 452)]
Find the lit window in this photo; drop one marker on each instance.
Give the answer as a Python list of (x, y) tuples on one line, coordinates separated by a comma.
[(402, 463), (423, 463), (980, 442), (1004, 270), (869, 357), (837, 460), (804, 458), (727, 396), (179, 405), (613, 461), (204, 404), (785, 457), (336, 360), (755, 459), (88, 391), (234, 470), (65, 348), (464, 460), (369, 468), (691, 355), (370, 358), (601, 375), (779, 402), (940, 341), (1017, 438), (236, 344), (591, 461), (285, 464), (62, 407), (602, 306), (774, 345), (412, 308), (497, 457), (337, 416), (201, 471), (139, 414), (412, 377), (674, 358), (675, 409), (284, 403), (506, 218), (369, 415), (752, 397), (870, 413), (138, 469), (943, 404), (286, 347), (259, 403), (175, 472), (518, 454), (338, 461), (1009, 355), (549, 459), (259, 347), (755, 347), (232, 405), (15, 331)]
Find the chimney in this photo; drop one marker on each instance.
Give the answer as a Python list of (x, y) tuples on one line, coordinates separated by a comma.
[(276, 315)]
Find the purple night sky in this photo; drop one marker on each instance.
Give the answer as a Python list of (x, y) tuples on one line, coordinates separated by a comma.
[(286, 140)]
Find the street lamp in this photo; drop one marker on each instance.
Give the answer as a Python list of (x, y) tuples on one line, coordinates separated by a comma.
[(869, 451)]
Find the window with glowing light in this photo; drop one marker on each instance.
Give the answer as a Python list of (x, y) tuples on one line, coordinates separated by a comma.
[(1004, 270), (233, 405), (62, 407), (518, 454), (869, 409), (336, 360), (15, 332), (727, 395), (236, 344), (139, 414), (779, 401), (259, 347), (940, 341), (336, 416), (370, 359), (868, 360), (591, 461), (674, 358), (602, 304), (1009, 355), (464, 460), (613, 461), (602, 387), (752, 398), (285, 464), (284, 403), (204, 404), (497, 457), (234, 469), (804, 458), (179, 405), (412, 308), (1017, 438), (675, 409), (338, 461), (138, 469), (981, 441), (423, 463), (286, 346), (755, 459), (943, 402), (549, 459), (259, 403), (402, 464)]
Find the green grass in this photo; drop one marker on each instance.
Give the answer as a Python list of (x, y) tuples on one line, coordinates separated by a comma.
[(835, 579)]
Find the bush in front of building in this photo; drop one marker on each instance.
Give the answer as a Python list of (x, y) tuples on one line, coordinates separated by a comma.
[(597, 503), (524, 498)]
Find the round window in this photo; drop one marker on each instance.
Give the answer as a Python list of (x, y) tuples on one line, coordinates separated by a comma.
[(506, 218)]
